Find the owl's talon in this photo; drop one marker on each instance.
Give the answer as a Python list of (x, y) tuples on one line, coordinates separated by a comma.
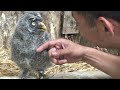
[(42, 75)]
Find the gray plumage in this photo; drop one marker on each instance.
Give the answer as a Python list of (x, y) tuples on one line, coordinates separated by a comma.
[(27, 37)]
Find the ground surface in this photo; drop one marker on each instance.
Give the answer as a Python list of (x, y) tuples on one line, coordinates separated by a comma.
[(9, 70)]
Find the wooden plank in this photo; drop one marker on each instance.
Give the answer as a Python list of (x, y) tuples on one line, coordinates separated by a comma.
[(52, 21), (69, 24), (80, 75)]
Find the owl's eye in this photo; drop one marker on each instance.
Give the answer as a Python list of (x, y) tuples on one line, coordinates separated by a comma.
[(33, 23), (33, 19)]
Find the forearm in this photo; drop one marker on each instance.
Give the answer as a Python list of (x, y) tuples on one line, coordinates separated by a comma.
[(110, 64)]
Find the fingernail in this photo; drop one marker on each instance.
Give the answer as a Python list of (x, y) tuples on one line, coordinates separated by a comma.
[(53, 49), (38, 50)]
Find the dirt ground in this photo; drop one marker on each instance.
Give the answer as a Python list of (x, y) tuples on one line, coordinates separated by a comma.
[(9, 68)]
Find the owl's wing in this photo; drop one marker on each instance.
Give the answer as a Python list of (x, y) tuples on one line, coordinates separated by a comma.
[(21, 48)]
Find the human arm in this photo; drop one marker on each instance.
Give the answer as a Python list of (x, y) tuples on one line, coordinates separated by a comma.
[(105, 62), (64, 51)]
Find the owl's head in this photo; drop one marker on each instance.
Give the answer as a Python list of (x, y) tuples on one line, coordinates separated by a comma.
[(31, 22)]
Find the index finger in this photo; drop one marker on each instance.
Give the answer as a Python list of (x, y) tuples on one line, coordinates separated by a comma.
[(46, 45)]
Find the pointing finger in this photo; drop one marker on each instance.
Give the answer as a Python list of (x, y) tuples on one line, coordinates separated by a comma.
[(46, 45)]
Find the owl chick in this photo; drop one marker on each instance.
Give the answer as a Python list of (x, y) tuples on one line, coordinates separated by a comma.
[(28, 36)]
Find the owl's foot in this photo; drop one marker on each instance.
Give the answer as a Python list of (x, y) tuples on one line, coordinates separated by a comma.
[(42, 75)]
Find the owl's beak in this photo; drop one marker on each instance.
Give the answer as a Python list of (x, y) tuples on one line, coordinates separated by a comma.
[(42, 26)]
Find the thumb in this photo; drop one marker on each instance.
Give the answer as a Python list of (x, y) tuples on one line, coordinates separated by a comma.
[(60, 52)]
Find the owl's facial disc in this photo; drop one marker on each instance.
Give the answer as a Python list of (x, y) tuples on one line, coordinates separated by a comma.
[(36, 24)]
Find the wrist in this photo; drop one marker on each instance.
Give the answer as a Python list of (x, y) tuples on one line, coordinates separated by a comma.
[(87, 52)]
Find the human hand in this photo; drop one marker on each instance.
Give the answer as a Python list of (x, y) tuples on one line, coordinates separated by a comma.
[(63, 51)]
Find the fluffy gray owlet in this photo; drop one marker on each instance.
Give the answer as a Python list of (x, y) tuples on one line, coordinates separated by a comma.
[(28, 36)]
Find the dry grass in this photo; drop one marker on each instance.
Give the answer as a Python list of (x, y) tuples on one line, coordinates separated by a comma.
[(9, 68), (81, 66)]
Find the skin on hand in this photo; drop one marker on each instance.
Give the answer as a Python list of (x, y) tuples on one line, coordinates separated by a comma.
[(63, 51)]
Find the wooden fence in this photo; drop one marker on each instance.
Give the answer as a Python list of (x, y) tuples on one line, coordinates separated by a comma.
[(60, 24)]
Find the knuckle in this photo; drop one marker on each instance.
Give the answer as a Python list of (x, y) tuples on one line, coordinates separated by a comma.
[(58, 52)]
